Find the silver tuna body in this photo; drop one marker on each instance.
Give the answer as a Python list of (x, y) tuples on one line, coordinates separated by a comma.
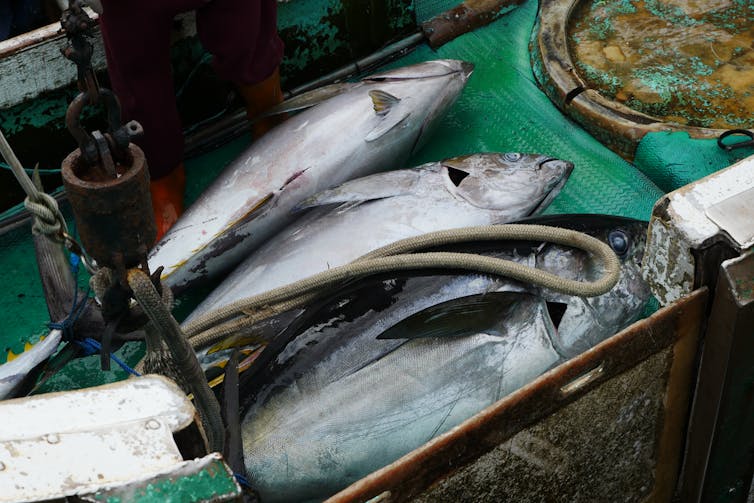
[(12, 373), (373, 126), (361, 215), (392, 367)]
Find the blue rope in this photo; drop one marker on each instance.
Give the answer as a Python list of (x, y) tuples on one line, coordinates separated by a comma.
[(66, 326), (242, 480), (93, 347), (75, 262), (89, 345), (31, 171)]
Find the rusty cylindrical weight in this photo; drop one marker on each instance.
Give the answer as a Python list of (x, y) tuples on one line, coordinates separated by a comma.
[(113, 215)]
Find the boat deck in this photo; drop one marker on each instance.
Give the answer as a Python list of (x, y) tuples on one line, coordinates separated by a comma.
[(501, 109)]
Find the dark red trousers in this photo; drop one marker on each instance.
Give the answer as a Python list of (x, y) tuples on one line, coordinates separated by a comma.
[(240, 34)]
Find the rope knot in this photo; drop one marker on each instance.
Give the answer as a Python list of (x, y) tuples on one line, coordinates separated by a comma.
[(47, 217)]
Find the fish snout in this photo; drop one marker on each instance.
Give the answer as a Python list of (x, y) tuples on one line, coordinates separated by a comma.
[(555, 163), (557, 166), (457, 66), (467, 68)]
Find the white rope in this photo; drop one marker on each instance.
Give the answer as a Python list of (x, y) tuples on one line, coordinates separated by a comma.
[(48, 219)]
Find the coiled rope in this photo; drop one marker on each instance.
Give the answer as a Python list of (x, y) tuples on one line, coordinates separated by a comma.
[(220, 323), (183, 357)]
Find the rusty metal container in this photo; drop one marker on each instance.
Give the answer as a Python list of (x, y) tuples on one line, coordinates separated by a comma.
[(113, 215)]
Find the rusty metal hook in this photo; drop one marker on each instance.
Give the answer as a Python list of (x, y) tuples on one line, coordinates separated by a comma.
[(118, 136)]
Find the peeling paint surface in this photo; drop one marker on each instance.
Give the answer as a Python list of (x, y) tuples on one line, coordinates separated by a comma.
[(681, 223), (205, 479), (668, 265), (67, 443)]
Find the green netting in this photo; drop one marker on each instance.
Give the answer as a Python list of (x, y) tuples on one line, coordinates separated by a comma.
[(672, 160), (500, 110)]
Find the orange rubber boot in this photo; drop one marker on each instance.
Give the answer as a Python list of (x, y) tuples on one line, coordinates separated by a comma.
[(260, 97), (167, 199)]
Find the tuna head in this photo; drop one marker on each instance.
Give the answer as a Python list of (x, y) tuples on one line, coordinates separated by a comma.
[(512, 183), (583, 322), (452, 76)]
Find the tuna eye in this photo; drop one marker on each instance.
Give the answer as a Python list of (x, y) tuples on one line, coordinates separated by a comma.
[(512, 156), (456, 175), (618, 242)]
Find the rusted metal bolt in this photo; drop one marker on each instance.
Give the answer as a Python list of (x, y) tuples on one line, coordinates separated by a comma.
[(153, 424)]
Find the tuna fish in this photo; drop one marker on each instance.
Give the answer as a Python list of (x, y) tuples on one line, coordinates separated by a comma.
[(370, 212), (374, 125), (20, 368), (361, 380)]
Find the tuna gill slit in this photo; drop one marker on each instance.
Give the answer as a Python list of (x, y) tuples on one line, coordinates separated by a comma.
[(456, 175), (556, 310)]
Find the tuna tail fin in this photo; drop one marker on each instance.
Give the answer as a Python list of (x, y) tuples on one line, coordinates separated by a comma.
[(458, 317), (385, 106), (216, 373)]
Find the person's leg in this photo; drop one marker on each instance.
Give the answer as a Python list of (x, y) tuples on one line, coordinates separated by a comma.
[(242, 36), (137, 45), (6, 18)]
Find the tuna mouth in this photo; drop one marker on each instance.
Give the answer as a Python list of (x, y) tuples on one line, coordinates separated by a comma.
[(467, 69), (554, 164)]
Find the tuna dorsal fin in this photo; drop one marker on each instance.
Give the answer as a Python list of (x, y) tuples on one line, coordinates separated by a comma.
[(306, 100), (458, 317), (386, 106), (367, 188), (383, 101)]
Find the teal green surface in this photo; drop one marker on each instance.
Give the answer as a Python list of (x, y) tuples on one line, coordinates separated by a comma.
[(24, 313), (213, 481), (500, 110), (672, 160)]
